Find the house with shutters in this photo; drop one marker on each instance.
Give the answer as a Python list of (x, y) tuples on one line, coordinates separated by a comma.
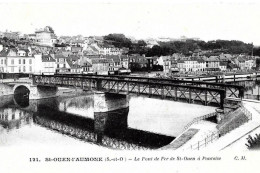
[(114, 63), (249, 63), (213, 63), (44, 64), (138, 63), (61, 63), (3, 60), (191, 65), (100, 65), (87, 68), (223, 65), (181, 65), (201, 64), (15, 60)]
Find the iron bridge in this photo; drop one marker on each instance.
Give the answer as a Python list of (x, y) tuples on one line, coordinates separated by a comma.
[(205, 93)]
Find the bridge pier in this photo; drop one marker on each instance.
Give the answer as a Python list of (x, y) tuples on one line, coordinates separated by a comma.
[(41, 92), (110, 111), (230, 104), (99, 84)]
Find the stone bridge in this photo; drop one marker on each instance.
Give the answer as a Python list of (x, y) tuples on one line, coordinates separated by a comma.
[(27, 88)]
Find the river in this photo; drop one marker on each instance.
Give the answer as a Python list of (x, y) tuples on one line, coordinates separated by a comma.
[(71, 120)]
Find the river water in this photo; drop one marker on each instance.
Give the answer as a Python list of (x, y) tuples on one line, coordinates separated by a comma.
[(71, 120)]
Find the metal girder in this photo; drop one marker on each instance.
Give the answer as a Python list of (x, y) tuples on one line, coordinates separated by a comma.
[(105, 83), (182, 93), (112, 86), (188, 90), (232, 92), (121, 88), (168, 91), (144, 89), (214, 97), (156, 90), (133, 86), (198, 95)]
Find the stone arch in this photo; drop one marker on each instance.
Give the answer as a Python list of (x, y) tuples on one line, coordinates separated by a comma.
[(22, 88), (21, 95)]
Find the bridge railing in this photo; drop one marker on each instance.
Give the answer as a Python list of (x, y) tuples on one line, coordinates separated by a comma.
[(231, 90), (205, 141), (164, 90), (198, 119)]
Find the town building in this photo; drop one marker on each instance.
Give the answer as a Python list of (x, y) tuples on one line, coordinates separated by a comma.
[(201, 64), (181, 65), (165, 62), (61, 63), (11, 35), (3, 60), (191, 65), (114, 63), (249, 63), (44, 64), (73, 65), (223, 65), (213, 63), (138, 63), (16, 61), (46, 36), (240, 62), (87, 68), (125, 61), (100, 66)]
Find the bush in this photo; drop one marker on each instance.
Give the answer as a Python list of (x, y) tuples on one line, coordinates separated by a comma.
[(253, 143)]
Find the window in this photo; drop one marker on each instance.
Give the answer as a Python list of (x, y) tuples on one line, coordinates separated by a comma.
[(19, 61), (30, 61), (13, 114), (20, 69), (2, 61), (12, 61), (23, 68), (23, 61), (12, 69), (30, 68)]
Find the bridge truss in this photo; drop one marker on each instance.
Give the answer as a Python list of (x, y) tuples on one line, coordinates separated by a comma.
[(187, 91)]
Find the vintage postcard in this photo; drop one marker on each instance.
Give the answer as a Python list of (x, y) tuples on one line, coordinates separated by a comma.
[(129, 86)]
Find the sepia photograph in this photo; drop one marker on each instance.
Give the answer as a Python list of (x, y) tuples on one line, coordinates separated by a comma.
[(129, 86)]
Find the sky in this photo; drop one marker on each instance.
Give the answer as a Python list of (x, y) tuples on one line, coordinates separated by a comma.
[(207, 20)]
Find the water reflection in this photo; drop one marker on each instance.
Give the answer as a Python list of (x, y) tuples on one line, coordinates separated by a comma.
[(75, 117), (21, 100), (13, 118)]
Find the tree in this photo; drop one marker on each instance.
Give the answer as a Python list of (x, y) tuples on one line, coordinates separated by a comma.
[(155, 51), (141, 43), (118, 40), (256, 51)]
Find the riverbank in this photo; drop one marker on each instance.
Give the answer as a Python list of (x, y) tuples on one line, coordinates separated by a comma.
[(207, 135)]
